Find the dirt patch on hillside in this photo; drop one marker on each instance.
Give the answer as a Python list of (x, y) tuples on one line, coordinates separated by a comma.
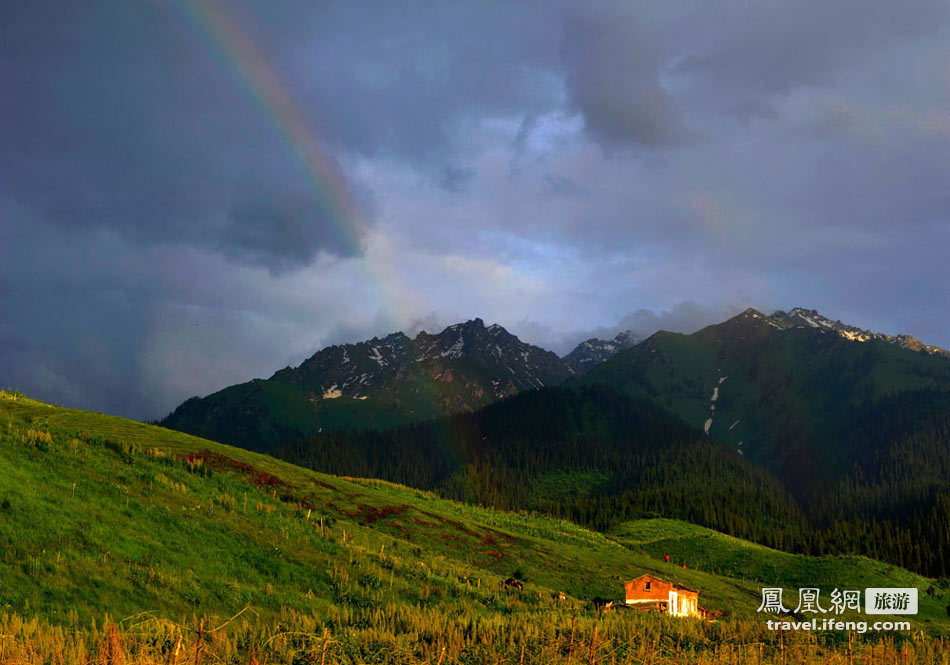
[(370, 514), (264, 479), (489, 536), (431, 525), (494, 556), (218, 462), (446, 521), (320, 483)]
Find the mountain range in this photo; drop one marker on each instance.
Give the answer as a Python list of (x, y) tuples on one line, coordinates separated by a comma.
[(379, 383), (793, 391), (793, 436), (396, 380), (789, 429)]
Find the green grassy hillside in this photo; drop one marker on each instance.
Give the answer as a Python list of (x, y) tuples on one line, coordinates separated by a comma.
[(857, 432), (591, 454), (103, 518), (742, 562), (259, 414), (796, 401)]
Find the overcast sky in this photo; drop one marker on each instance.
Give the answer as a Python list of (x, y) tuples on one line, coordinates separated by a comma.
[(196, 193)]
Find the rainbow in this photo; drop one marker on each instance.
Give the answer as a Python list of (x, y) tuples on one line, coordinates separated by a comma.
[(233, 48), (220, 31)]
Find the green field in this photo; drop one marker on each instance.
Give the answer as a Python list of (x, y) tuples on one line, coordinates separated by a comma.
[(107, 520), (782, 393), (750, 565)]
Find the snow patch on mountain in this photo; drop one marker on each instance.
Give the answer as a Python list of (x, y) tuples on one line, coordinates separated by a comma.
[(454, 351), (332, 392), (375, 354), (799, 317), (592, 352)]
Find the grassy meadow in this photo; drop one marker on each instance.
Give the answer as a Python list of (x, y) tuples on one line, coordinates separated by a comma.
[(122, 542)]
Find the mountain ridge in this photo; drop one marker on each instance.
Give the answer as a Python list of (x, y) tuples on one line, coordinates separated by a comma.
[(593, 351), (789, 394), (394, 380), (801, 318), (382, 382), (388, 356)]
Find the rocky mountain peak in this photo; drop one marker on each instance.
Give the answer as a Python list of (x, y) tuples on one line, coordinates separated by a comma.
[(801, 317), (593, 351)]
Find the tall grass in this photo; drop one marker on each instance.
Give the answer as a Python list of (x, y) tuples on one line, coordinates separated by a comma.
[(399, 635)]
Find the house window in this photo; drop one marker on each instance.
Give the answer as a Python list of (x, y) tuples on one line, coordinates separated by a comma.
[(646, 587)]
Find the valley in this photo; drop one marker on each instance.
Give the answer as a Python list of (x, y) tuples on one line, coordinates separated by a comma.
[(121, 538), (416, 476)]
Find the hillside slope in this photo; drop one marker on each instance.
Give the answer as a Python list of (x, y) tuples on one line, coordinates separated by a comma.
[(104, 515), (796, 399), (591, 454)]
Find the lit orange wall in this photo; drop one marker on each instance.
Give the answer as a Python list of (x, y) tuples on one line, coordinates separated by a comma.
[(659, 590)]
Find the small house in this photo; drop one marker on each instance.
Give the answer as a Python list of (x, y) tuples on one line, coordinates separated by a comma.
[(649, 593)]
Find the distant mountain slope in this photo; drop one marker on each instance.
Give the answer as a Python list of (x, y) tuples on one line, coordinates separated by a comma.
[(567, 451), (379, 383), (599, 457), (796, 398), (590, 353)]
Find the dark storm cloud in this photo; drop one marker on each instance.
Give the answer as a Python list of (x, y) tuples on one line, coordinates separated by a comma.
[(455, 178), (95, 321), (275, 225), (121, 118), (69, 328), (414, 82), (775, 47), (562, 186), (413, 79), (748, 109), (612, 66), (167, 225)]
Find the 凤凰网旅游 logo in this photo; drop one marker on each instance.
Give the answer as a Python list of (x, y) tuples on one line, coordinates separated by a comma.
[(836, 603), (890, 600), (877, 600)]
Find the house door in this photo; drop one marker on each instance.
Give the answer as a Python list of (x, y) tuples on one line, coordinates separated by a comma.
[(673, 598)]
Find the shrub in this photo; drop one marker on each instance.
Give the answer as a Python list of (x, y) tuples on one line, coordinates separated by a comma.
[(226, 501)]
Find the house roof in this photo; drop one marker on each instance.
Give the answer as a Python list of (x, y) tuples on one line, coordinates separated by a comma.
[(676, 585)]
